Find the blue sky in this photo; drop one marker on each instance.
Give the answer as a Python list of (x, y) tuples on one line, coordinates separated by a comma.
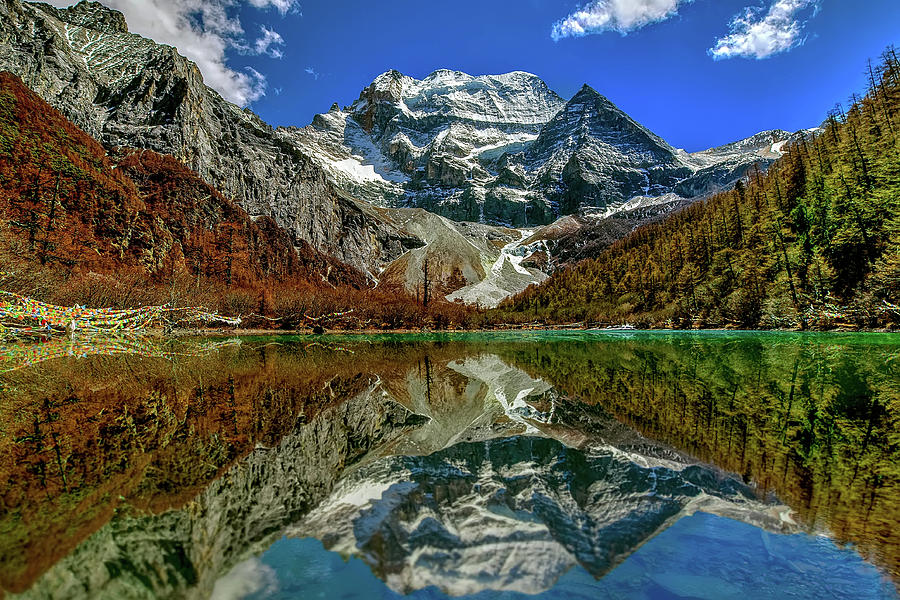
[(314, 52)]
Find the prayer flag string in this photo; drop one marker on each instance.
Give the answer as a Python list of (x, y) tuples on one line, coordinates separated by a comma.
[(20, 314)]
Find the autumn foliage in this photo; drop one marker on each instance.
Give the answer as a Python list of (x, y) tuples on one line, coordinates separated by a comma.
[(124, 227)]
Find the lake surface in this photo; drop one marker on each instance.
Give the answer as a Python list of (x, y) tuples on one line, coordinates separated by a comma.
[(550, 465)]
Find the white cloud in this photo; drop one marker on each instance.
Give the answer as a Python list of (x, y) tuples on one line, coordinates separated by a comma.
[(757, 35), (312, 72), (267, 42), (202, 30), (244, 579), (614, 15), (282, 6)]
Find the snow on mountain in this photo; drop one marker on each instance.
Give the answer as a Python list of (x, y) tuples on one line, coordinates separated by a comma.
[(718, 168), (592, 155), (506, 150), (515, 514), (435, 142), (513, 101), (766, 144)]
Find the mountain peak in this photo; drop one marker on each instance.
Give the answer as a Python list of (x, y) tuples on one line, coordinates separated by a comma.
[(390, 74), (92, 15), (452, 75), (591, 97), (448, 74), (387, 86)]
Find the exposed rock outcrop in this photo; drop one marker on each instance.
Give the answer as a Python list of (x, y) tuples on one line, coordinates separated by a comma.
[(126, 90)]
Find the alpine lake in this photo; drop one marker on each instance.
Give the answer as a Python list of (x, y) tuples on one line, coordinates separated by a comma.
[(624, 464)]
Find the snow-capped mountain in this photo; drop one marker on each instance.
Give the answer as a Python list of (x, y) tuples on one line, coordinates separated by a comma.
[(435, 143), (592, 154), (717, 168), (507, 150)]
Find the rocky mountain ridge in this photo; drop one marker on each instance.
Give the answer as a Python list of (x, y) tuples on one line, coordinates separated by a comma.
[(500, 150), (73, 211), (126, 90), (507, 150)]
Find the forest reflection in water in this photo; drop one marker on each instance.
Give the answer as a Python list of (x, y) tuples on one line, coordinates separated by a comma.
[(159, 466)]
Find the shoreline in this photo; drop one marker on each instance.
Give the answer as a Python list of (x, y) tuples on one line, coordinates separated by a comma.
[(562, 328), (211, 332)]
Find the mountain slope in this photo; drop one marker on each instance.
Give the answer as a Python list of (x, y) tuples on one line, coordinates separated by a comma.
[(125, 90), (131, 227), (432, 143), (66, 204), (812, 243), (592, 154)]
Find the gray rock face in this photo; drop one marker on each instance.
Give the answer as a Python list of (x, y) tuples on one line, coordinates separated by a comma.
[(574, 238), (126, 90), (506, 150), (592, 155)]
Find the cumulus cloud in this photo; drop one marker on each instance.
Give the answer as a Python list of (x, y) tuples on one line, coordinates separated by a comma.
[(757, 35), (203, 30), (614, 15), (247, 578)]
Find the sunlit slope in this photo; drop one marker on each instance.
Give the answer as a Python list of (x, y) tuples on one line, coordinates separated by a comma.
[(814, 242)]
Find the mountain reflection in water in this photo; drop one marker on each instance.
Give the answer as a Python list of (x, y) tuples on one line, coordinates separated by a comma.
[(571, 464)]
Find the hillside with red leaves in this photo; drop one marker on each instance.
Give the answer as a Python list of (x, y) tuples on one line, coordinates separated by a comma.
[(79, 208), (125, 227)]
